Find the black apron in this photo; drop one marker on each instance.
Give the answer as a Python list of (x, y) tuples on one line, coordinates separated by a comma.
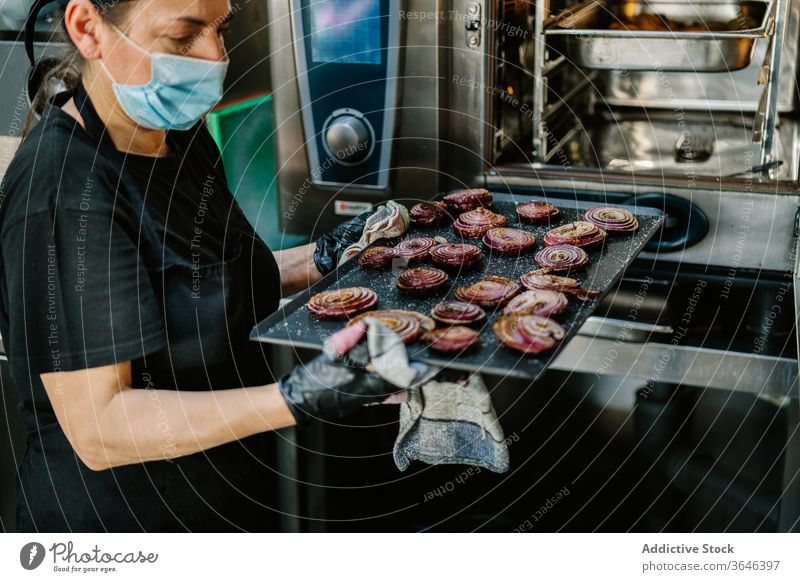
[(208, 312)]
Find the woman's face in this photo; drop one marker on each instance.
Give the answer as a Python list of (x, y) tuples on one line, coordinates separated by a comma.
[(191, 28)]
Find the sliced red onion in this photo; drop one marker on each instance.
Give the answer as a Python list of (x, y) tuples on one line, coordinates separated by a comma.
[(536, 211), (456, 256), (541, 279), (428, 214), (453, 339), (475, 223), (579, 233), (490, 292), (539, 302), (529, 334), (342, 303), (377, 258), (509, 242), (612, 219), (422, 281), (457, 313), (562, 258), (406, 324), (464, 200), (415, 249)]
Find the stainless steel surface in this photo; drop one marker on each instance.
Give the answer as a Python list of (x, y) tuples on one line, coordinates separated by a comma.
[(307, 208), (590, 44), (647, 144), (610, 328), (735, 91), (692, 366)]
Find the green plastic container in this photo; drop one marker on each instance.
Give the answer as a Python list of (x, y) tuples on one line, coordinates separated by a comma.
[(244, 133)]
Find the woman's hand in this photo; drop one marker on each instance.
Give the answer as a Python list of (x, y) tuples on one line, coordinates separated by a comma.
[(331, 388), (303, 266)]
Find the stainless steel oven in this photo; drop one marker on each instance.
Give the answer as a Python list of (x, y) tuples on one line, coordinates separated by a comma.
[(691, 107)]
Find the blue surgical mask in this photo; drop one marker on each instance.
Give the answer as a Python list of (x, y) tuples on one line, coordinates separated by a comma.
[(180, 92)]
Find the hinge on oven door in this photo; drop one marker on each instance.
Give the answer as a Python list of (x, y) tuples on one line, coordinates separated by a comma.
[(473, 24)]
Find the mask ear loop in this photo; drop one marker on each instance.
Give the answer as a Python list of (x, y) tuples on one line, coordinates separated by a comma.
[(127, 39)]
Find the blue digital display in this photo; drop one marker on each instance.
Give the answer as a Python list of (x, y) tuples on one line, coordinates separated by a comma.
[(346, 31)]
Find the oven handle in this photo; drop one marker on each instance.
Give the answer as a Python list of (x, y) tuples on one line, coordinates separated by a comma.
[(622, 329), (684, 223)]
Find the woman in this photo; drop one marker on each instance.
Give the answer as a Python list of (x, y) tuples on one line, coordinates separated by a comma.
[(130, 281)]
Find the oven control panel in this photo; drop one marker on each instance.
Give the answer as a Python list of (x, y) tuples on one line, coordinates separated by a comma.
[(346, 58)]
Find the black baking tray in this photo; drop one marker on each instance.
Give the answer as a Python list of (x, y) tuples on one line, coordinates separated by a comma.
[(294, 325)]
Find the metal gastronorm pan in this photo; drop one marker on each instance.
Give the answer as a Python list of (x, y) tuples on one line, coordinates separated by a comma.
[(588, 42), (294, 325)]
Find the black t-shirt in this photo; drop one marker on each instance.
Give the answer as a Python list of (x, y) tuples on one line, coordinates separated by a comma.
[(77, 291)]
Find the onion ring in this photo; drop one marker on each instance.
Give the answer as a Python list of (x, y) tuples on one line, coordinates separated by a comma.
[(509, 242), (529, 334), (490, 292), (422, 281), (452, 339), (428, 214), (562, 258), (539, 302), (415, 249), (342, 303), (389, 316), (406, 324), (377, 258), (457, 313), (456, 256), (612, 219), (464, 200), (579, 233), (536, 211), (475, 223), (541, 279)]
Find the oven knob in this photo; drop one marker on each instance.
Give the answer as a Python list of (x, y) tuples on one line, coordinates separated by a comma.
[(348, 138)]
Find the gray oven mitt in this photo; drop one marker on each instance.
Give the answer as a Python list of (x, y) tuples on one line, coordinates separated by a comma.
[(451, 423), (440, 422)]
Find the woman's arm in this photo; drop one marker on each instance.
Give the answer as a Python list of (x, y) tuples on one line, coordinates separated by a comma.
[(110, 424), (297, 267)]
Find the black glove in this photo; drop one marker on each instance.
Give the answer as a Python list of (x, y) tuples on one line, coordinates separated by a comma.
[(330, 246), (326, 388)]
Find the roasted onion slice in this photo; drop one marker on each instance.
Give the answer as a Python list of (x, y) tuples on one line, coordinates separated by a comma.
[(377, 258), (612, 219), (395, 318), (457, 313), (422, 281), (428, 214), (536, 211), (539, 302), (453, 339), (509, 242), (456, 256), (464, 200), (342, 303), (415, 249), (529, 334), (490, 292), (475, 223), (562, 258), (541, 279), (579, 233), (409, 325)]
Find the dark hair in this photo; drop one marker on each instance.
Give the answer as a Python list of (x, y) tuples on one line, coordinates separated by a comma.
[(62, 74)]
